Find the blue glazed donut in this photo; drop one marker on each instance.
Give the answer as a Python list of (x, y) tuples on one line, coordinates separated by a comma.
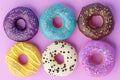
[(68, 18), (15, 32)]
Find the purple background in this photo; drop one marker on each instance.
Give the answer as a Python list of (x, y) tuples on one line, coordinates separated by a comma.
[(77, 39)]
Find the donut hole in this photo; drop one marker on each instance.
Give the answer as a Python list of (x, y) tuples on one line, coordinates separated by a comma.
[(57, 22), (96, 59), (23, 59), (59, 58), (20, 24), (96, 21)]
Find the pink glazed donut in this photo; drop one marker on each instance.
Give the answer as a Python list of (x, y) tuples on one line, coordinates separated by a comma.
[(105, 51)]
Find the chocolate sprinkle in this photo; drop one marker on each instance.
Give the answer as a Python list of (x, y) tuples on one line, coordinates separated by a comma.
[(60, 69)]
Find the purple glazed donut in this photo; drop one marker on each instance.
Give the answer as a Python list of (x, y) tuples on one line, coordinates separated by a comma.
[(102, 49), (14, 31)]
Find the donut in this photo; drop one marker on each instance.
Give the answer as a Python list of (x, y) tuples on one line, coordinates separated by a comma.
[(107, 62), (68, 18), (15, 31), (51, 66), (92, 31), (33, 55)]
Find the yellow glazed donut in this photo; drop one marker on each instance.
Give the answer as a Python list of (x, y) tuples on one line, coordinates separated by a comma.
[(33, 55)]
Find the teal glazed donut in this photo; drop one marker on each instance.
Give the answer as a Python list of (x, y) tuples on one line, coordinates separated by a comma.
[(68, 18)]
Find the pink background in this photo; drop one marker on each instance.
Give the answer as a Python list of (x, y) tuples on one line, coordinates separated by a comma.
[(77, 39)]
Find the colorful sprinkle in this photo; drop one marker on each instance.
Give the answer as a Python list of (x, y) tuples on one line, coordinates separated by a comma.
[(108, 56)]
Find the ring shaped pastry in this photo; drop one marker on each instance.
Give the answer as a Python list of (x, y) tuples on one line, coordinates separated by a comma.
[(86, 15), (18, 32), (101, 67), (33, 55), (52, 67), (68, 18)]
